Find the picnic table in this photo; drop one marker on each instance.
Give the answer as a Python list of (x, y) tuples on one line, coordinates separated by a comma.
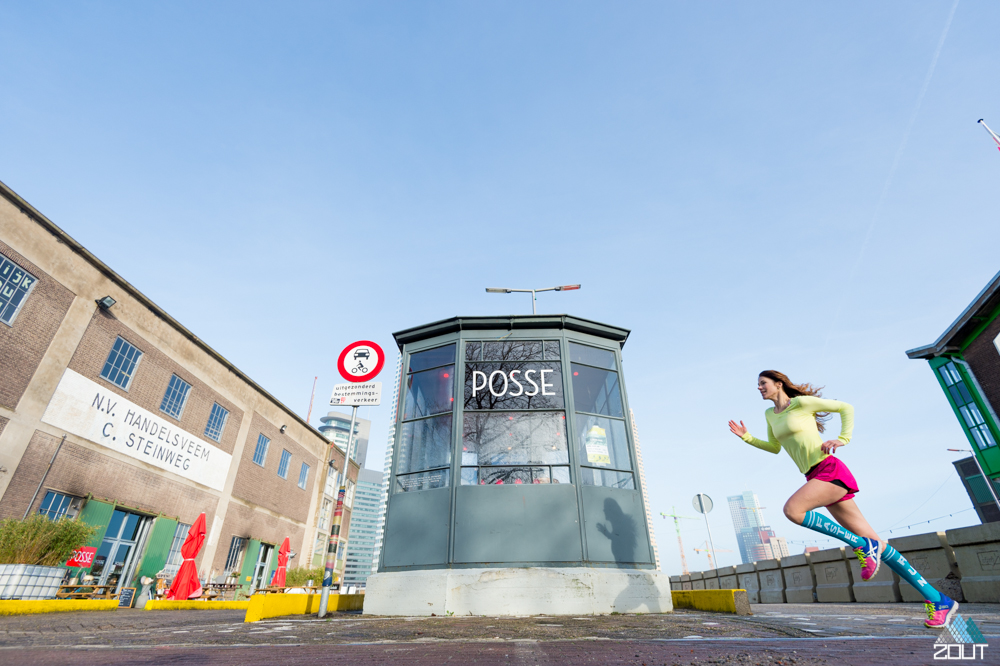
[(222, 589), (86, 592)]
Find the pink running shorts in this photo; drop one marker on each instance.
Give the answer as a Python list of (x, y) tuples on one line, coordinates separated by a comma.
[(832, 470)]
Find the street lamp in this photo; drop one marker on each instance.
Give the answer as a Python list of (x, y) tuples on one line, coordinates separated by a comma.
[(988, 480), (568, 287)]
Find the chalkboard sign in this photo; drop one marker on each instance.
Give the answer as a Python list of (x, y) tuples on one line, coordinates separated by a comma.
[(126, 597)]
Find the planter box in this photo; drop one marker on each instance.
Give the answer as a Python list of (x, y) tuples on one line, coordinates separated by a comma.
[(772, 586), (977, 550), (26, 581), (834, 582), (727, 578), (931, 555), (800, 584), (746, 577)]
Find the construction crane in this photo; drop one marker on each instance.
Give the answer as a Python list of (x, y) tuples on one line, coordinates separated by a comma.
[(680, 543), (705, 549)]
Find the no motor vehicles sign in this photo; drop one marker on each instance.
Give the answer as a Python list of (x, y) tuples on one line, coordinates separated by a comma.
[(361, 361)]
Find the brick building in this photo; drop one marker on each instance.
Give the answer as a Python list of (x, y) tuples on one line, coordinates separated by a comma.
[(965, 360), (115, 414)]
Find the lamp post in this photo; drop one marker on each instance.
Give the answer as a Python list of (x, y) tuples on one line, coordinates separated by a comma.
[(568, 287), (989, 482)]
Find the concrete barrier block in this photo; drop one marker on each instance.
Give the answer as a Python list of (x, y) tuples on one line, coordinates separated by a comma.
[(772, 587), (931, 555), (675, 582), (977, 551), (800, 583), (834, 581), (711, 579), (746, 579), (882, 589), (686, 582), (727, 578), (717, 601), (697, 580)]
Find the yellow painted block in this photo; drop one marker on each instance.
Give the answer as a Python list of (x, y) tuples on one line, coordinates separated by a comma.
[(263, 606), (29, 607), (194, 604), (717, 601)]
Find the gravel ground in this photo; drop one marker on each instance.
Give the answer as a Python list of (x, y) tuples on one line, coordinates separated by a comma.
[(786, 634)]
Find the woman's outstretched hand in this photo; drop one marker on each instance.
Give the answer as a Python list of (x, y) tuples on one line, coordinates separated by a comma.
[(831, 446), (738, 429)]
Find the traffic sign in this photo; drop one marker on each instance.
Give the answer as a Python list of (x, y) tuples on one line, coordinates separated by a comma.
[(702, 503), (357, 395), (360, 361)]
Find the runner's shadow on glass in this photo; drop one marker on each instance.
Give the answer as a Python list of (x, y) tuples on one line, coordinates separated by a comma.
[(623, 532)]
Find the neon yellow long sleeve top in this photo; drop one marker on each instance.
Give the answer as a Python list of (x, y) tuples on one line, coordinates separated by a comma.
[(794, 430)]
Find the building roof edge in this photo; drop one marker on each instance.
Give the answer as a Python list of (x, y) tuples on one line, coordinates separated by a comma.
[(38, 218), (987, 299), (511, 322)]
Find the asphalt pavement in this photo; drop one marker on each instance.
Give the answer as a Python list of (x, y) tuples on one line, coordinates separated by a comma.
[(786, 634)]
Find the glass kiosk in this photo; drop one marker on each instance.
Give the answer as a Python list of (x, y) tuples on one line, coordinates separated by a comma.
[(513, 488)]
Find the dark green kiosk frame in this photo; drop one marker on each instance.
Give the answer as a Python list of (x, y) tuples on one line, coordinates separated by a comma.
[(516, 524)]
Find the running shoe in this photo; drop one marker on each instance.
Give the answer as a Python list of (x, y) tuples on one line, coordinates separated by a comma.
[(940, 614), (870, 557)]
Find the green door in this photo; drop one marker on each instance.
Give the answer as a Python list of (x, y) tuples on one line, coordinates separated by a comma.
[(99, 514), (161, 537)]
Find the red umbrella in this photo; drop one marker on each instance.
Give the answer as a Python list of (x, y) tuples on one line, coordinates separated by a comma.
[(279, 574), (186, 584)]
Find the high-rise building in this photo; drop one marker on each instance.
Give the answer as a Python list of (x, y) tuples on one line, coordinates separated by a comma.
[(337, 427), (364, 528), (390, 447), (757, 540), (642, 485)]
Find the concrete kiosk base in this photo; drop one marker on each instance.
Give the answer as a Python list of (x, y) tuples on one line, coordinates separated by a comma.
[(518, 591)]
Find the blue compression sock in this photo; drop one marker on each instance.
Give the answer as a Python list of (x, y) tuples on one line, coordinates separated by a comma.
[(820, 523), (898, 563)]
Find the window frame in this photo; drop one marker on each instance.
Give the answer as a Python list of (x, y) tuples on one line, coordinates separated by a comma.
[(283, 462), (180, 535), (135, 367), (266, 441), (222, 428), (27, 292), (240, 543), (183, 400), (304, 475)]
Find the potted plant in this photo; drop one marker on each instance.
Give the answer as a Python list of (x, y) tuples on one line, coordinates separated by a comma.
[(33, 553)]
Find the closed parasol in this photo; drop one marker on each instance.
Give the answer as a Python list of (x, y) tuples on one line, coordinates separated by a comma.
[(186, 584), (278, 580)]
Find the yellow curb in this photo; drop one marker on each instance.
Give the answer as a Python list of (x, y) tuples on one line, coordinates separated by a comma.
[(194, 604), (263, 606), (29, 607), (718, 601)]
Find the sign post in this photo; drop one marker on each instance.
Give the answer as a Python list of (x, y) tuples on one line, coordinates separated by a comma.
[(703, 504), (358, 363)]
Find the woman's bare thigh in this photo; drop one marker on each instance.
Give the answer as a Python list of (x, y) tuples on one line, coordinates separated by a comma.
[(812, 495)]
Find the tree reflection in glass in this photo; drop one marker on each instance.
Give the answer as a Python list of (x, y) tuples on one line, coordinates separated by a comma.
[(429, 392), (515, 438), (424, 444)]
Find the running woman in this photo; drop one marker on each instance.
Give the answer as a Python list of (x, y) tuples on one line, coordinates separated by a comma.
[(794, 424)]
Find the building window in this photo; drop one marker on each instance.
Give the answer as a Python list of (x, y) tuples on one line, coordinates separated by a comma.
[(120, 366), (234, 560), (286, 457), (972, 418), (56, 505), (349, 495), (428, 402), (260, 453), (175, 397), (217, 422), (324, 513), (174, 557), (303, 476), (15, 285), (331, 481)]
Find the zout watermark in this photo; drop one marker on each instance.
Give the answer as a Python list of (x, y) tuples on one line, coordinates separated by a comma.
[(961, 640)]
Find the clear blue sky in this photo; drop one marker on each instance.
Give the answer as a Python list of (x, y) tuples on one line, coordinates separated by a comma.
[(285, 178)]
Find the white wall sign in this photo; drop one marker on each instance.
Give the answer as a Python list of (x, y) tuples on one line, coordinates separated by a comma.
[(367, 393), (85, 408)]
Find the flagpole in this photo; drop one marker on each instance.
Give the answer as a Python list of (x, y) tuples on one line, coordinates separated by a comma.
[(992, 134)]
